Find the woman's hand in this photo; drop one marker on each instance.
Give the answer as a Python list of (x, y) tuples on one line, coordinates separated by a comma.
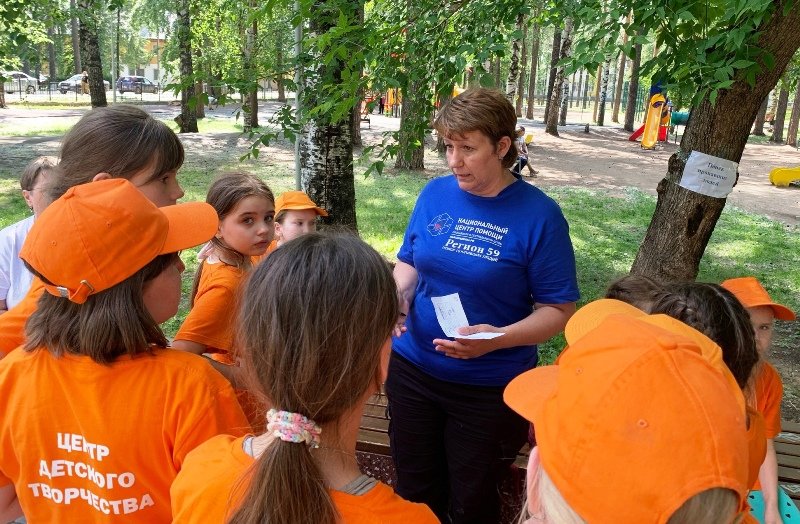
[(469, 348), (400, 325)]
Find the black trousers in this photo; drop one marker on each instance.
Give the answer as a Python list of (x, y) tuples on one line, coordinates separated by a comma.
[(451, 443)]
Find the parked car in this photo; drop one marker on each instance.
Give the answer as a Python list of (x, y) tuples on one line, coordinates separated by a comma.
[(136, 84), (73, 83), (16, 81)]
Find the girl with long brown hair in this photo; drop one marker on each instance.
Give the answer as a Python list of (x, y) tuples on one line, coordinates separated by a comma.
[(314, 333)]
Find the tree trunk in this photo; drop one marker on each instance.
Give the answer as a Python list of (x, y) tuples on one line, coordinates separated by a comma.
[(279, 66), (562, 117), (522, 72), (780, 114), (552, 78), (618, 90), (413, 120), (250, 108), (597, 79), (761, 117), (620, 76), (794, 120), (326, 145), (585, 89), (601, 108), (52, 68), (187, 120), (90, 49), (497, 66), (534, 65), (559, 81), (512, 80), (439, 138), (76, 39), (355, 113), (633, 89), (199, 107), (683, 221)]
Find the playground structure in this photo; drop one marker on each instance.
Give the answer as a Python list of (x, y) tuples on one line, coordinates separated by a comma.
[(656, 123), (783, 176)]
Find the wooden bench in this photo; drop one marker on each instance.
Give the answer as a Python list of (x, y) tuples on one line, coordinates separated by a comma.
[(787, 448), (375, 457)]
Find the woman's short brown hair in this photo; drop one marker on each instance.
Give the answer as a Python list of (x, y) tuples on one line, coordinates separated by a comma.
[(120, 140), (484, 110), (32, 171)]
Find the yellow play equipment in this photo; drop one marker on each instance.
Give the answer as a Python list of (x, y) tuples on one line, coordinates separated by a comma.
[(783, 176), (652, 122), (528, 138)]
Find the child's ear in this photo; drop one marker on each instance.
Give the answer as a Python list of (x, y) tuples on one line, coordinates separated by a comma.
[(101, 176), (28, 198)]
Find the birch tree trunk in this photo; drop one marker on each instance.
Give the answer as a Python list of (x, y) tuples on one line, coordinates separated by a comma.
[(683, 221), (618, 90), (559, 81), (513, 66), (411, 138), (187, 120), (534, 65), (601, 108), (90, 49), (250, 106), (326, 145), (523, 70)]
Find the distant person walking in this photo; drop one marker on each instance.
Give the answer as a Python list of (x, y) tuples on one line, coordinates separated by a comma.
[(85, 83)]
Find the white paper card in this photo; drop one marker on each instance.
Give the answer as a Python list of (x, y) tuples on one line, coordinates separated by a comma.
[(709, 175), (451, 316)]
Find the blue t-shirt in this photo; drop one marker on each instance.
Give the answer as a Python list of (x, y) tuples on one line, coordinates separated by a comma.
[(500, 254)]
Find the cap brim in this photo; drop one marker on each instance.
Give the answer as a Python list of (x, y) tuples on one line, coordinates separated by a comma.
[(527, 393), (592, 315), (302, 207), (782, 312), (190, 224)]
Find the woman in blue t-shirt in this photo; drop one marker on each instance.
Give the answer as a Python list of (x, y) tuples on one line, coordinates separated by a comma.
[(502, 247)]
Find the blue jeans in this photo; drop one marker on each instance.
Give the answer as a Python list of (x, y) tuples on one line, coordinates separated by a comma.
[(451, 443)]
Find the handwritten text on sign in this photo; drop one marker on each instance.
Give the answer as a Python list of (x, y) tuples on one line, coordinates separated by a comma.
[(709, 175)]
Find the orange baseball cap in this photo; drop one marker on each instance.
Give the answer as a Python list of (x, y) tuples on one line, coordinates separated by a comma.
[(593, 313), (98, 234), (296, 200), (751, 293), (634, 421)]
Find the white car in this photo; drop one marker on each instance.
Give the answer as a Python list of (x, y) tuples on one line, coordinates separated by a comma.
[(73, 83), (17, 81)]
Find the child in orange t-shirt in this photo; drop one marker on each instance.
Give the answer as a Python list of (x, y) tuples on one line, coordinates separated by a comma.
[(315, 340), (118, 141), (295, 215), (767, 388), (114, 413), (246, 210)]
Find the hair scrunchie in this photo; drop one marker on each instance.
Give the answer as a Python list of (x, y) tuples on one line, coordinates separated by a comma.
[(293, 427)]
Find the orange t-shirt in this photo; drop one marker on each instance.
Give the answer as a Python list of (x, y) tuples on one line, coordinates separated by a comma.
[(203, 491), (210, 322), (768, 391), (86, 442), (12, 322), (756, 445)]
